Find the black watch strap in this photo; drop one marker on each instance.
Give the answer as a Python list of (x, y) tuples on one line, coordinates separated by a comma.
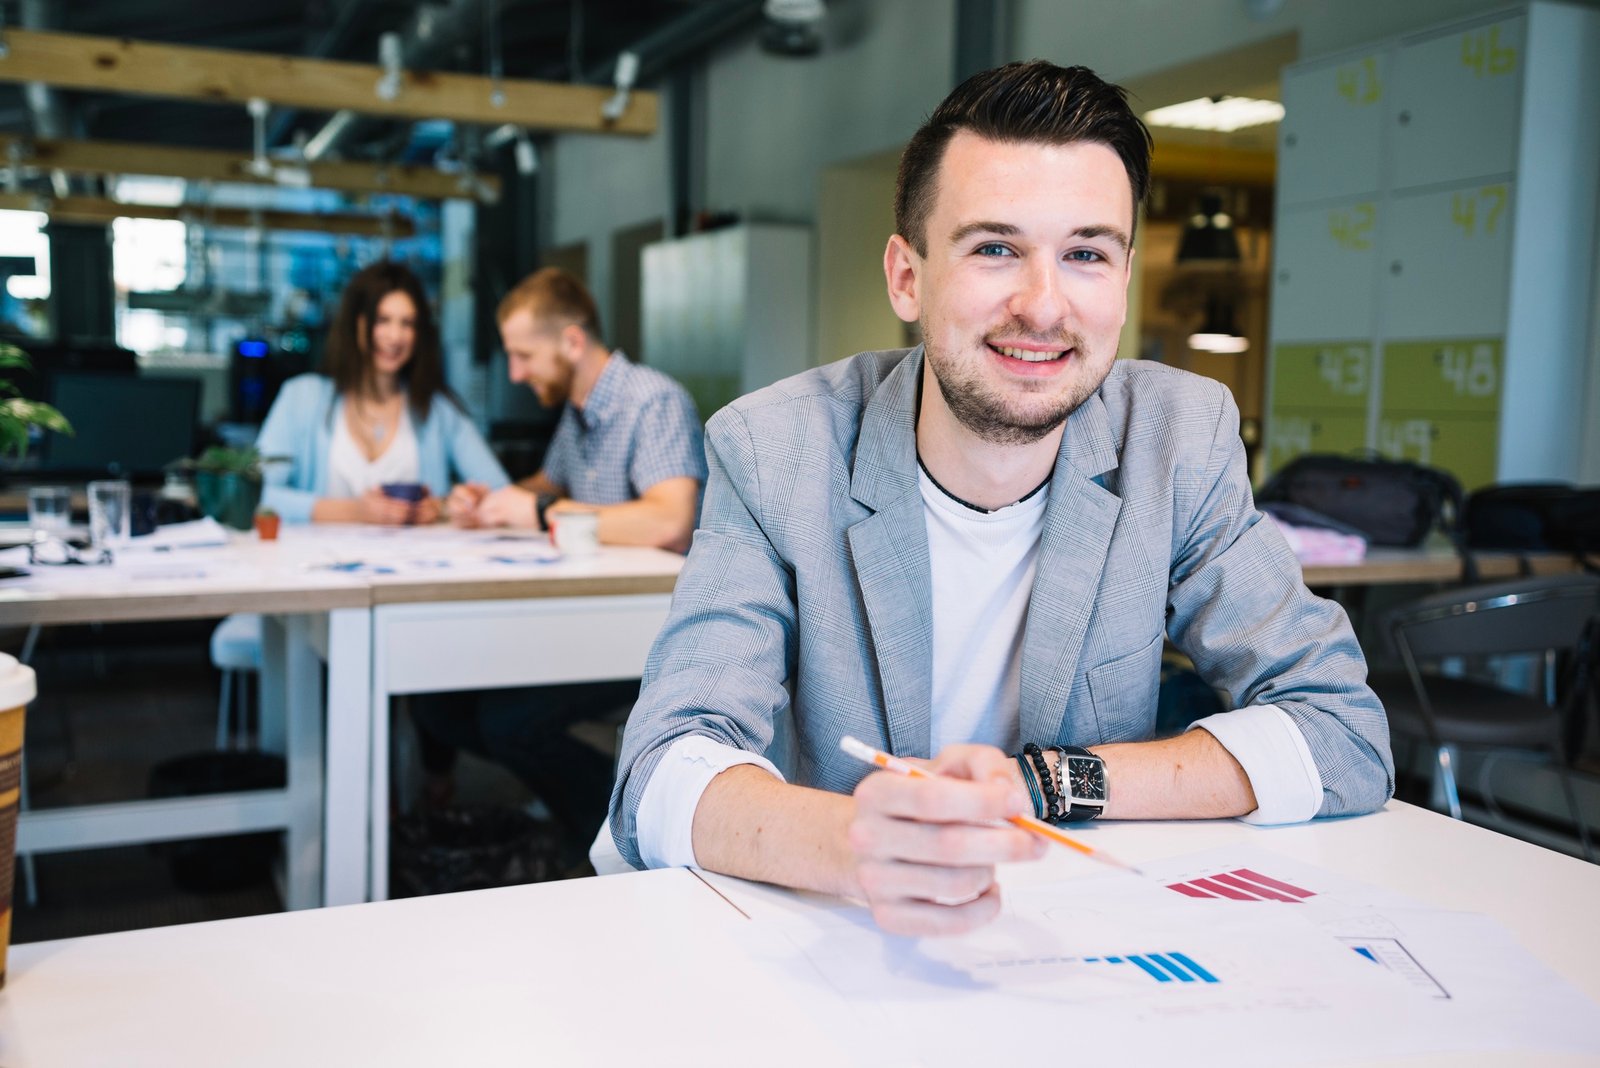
[(541, 505), (1083, 783)]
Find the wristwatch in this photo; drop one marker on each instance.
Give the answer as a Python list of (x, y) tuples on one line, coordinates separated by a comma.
[(541, 505), (1083, 783)]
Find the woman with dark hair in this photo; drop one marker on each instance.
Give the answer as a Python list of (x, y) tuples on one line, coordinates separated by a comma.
[(379, 415)]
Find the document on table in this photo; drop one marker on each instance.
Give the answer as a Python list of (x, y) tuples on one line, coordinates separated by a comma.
[(1298, 966)]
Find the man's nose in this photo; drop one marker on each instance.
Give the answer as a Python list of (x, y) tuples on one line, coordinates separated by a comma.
[(1041, 299)]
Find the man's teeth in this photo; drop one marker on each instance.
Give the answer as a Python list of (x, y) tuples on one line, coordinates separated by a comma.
[(1030, 355)]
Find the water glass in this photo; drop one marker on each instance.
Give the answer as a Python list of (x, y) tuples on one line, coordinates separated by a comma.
[(110, 514), (50, 509)]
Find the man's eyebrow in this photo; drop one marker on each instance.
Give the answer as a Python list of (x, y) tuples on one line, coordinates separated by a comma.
[(1000, 229), (973, 228), (1122, 240)]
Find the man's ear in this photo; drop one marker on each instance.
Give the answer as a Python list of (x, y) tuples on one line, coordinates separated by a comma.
[(901, 269), (574, 342)]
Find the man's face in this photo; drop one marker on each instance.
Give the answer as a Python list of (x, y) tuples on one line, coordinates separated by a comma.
[(1023, 291), (534, 357)]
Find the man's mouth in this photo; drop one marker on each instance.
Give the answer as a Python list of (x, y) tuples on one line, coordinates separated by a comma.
[(1030, 355)]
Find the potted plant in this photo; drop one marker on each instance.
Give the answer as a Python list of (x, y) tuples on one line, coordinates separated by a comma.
[(267, 523), (18, 415), (227, 483)]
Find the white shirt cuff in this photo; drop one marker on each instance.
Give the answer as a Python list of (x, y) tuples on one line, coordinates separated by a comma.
[(665, 820), (1273, 752)]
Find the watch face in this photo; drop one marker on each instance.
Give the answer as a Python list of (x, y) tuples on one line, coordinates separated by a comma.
[(1086, 779)]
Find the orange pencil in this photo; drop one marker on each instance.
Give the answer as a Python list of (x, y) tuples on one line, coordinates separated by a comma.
[(864, 752)]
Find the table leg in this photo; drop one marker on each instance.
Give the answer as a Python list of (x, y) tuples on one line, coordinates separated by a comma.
[(295, 693), (350, 755)]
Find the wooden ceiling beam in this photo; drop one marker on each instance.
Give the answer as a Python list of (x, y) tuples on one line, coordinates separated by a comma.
[(202, 164), (97, 210), (113, 65)]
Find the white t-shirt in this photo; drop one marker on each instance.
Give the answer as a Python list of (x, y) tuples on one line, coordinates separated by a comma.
[(350, 473), (983, 566)]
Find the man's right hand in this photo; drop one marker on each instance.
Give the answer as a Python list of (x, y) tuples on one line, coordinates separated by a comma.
[(926, 849)]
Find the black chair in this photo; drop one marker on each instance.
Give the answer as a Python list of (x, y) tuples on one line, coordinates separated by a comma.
[(1555, 616)]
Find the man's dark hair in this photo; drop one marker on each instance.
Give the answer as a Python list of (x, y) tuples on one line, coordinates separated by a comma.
[(1035, 101)]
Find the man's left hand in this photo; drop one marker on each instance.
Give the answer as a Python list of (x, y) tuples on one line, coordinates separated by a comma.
[(510, 506)]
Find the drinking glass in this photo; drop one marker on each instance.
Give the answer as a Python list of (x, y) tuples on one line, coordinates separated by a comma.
[(50, 509), (110, 514)]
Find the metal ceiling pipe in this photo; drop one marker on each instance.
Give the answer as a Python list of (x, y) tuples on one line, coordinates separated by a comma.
[(49, 115), (681, 39), (50, 119), (431, 33)]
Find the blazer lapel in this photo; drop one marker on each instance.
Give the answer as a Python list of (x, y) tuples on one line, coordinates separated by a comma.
[(889, 551), (1078, 525)]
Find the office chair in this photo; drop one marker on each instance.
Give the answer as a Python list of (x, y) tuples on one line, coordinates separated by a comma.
[(1551, 615), (236, 652)]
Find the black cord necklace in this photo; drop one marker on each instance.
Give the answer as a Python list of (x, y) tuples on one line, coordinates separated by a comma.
[(975, 507)]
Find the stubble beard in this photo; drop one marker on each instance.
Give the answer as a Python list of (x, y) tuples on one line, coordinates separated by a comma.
[(987, 414)]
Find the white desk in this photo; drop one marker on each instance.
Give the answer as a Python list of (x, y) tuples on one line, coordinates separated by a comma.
[(582, 619), (385, 628), (650, 968), (315, 617)]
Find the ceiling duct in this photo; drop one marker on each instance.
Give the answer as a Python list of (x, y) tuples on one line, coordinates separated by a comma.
[(430, 35), (683, 38)]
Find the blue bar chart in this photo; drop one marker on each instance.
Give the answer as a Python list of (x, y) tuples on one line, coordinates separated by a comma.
[(1167, 967)]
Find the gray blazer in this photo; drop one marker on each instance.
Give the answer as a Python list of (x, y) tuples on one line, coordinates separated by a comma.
[(803, 611)]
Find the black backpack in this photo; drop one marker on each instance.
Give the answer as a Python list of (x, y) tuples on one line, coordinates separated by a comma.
[(1534, 516), (1390, 502)]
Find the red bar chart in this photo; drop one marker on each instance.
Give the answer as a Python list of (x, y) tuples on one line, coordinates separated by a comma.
[(1242, 884)]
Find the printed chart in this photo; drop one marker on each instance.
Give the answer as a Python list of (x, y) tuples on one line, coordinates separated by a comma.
[(1242, 884)]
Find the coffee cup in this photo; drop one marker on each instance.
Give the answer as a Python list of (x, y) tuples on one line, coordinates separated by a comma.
[(17, 688), (575, 533)]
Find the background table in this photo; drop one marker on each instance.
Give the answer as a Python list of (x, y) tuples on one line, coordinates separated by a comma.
[(389, 612), (314, 618), (641, 968), (581, 619), (1384, 567)]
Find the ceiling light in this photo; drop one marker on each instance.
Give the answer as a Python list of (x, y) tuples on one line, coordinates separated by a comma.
[(1209, 236), (1219, 333), (1223, 114)]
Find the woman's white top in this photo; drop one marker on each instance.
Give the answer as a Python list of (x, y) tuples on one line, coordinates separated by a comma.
[(350, 473)]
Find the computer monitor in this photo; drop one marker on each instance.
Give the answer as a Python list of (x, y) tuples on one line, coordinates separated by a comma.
[(125, 425)]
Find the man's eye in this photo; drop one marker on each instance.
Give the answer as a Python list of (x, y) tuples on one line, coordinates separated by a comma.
[(1084, 255), (993, 248)]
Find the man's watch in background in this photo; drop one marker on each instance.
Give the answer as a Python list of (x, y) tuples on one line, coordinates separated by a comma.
[(541, 505), (1083, 783)]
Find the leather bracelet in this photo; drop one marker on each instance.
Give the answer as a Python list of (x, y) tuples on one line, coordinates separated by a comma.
[(1052, 797), (1032, 783)]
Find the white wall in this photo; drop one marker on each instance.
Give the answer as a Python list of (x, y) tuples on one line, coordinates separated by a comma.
[(599, 185), (773, 123)]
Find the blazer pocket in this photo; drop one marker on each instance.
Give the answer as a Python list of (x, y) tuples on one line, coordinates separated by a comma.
[(1124, 691)]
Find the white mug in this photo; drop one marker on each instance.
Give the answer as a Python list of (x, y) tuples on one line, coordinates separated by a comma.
[(575, 533)]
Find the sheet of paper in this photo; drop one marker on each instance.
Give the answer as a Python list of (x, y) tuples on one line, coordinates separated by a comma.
[(1297, 965)]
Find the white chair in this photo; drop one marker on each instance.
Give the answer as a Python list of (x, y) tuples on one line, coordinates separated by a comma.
[(235, 649)]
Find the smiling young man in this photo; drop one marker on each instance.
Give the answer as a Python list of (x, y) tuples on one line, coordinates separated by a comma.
[(979, 546)]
